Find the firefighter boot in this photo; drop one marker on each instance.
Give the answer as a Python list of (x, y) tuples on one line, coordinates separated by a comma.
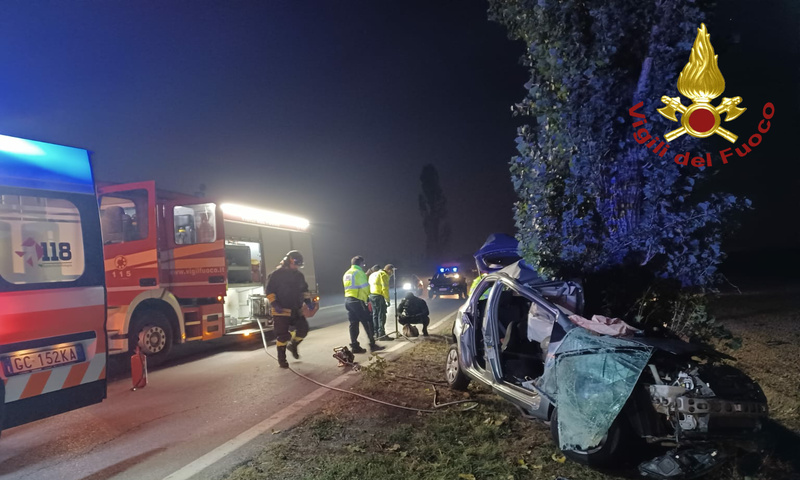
[(292, 347), (282, 357)]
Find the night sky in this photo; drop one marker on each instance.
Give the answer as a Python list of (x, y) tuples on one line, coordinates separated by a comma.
[(330, 109)]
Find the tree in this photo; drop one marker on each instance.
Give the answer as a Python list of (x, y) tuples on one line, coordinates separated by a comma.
[(591, 199), (433, 208)]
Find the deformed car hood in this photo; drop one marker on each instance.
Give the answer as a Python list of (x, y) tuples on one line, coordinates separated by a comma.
[(590, 378)]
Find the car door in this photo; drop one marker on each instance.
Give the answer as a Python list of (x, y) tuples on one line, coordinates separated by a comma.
[(530, 399), (471, 341)]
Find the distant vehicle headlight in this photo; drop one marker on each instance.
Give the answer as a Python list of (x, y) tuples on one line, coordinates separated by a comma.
[(406, 286)]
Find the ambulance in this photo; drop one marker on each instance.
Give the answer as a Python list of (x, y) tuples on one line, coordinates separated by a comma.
[(52, 294)]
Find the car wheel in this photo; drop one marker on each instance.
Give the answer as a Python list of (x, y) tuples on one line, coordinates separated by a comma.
[(603, 455), (152, 332), (456, 378)]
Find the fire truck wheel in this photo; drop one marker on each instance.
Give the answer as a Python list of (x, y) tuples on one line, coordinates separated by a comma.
[(153, 333)]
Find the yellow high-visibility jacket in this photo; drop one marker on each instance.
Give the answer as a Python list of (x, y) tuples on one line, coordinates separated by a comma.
[(475, 284), (379, 284), (356, 284)]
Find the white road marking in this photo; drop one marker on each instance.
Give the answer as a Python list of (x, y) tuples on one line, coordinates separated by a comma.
[(340, 305), (243, 438), (238, 441)]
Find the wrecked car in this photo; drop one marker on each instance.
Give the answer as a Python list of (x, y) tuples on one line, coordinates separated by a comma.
[(600, 393)]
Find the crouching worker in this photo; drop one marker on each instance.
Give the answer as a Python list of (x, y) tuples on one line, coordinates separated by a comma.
[(414, 310), (287, 292)]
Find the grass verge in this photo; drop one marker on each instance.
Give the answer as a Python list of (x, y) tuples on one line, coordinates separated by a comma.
[(356, 439)]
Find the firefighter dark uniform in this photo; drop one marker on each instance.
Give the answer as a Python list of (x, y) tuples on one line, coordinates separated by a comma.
[(287, 290), (414, 310), (356, 294)]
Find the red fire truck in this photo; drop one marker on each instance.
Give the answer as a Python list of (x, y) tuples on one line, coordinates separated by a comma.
[(178, 269), (52, 296), (165, 268)]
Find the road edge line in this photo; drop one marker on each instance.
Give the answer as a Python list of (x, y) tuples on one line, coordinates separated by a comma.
[(220, 452), (201, 463)]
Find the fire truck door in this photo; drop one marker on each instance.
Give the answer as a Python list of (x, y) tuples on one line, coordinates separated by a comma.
[(128, 223), (194, 258)]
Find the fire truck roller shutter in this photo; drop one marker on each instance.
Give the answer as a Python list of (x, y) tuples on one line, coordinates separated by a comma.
[(152, 329)]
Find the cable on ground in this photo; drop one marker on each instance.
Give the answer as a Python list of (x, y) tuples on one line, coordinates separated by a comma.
[(371, 399)]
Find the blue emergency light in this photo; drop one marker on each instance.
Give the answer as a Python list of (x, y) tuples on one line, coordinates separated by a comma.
[(455, 269), (31, 164), (441, 270)]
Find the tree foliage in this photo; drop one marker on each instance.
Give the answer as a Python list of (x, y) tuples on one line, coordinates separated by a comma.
[(591, 199), (433, 208)]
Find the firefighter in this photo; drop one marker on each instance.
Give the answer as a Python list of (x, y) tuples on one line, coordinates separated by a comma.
[(379, 299), (356, 294), (287, 292), (414, 310)]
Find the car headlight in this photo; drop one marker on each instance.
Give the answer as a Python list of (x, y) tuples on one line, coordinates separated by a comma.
[(406, 286)]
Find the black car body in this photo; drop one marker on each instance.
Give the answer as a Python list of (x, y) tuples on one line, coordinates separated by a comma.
[(447, 281), (599, 393)]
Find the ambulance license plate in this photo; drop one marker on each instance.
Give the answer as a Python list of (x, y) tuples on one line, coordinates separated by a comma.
[(443, 289), (28, 361)]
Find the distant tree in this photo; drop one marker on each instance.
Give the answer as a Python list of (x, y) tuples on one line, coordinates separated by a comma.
[(592, 202), (433, 208)]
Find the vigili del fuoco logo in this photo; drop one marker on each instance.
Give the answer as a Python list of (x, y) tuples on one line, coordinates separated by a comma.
[(701, 81)]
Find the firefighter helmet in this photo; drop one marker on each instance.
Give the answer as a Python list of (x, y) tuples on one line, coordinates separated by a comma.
[(293, 257)]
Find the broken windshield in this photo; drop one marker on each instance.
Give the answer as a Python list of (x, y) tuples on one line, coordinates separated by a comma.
[(590, 381)]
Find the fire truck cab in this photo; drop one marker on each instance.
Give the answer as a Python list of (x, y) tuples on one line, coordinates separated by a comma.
[(181, 268), (165, 268)]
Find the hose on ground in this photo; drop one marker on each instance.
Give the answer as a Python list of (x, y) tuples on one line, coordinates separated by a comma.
[(436, 405)]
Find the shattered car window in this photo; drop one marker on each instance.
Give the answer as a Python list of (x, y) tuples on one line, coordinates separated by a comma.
[(591, 380)]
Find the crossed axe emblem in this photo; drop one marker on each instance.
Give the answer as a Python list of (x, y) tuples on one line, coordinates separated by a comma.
[(728, 106)]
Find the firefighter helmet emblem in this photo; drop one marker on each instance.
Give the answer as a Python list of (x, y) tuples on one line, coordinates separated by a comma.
[(121, 262), (701, 81)]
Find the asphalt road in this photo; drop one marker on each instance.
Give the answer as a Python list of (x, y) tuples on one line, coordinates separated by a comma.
[(208, 408)]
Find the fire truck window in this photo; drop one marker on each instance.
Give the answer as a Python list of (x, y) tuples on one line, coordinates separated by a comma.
[(40, 240), (195, 224), (123, 216)]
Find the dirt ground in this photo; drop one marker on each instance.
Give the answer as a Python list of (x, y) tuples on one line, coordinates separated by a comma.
[(355, 439)]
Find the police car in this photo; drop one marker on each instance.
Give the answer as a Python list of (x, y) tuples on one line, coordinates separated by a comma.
[(447, 281)]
